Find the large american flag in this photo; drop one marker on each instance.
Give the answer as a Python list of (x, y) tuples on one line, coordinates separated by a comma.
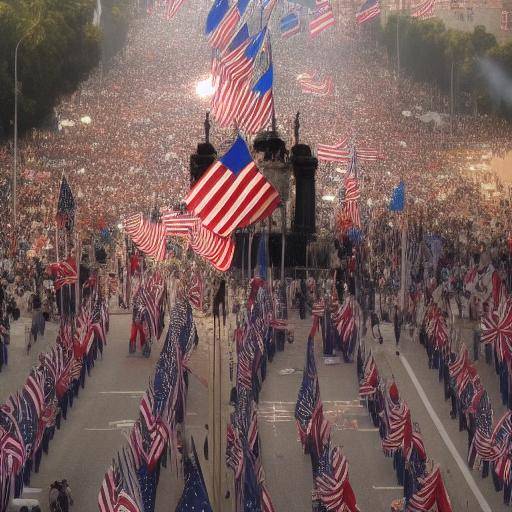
[(221, 23), (256, 103), (148, 236), (243, 79), (232, 193), (368, 11), (323, 18)]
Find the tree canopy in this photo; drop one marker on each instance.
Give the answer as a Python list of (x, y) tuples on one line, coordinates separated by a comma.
[(58, 47)]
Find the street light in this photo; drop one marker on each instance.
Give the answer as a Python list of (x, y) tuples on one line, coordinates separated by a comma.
[(15, 169)]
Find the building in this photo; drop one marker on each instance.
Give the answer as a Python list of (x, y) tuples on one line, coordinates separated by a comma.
[(494, 15)]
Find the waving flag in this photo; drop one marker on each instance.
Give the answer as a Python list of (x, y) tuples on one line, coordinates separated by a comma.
[(289, 25), (398, 198), (323, 87), (352, 193), (232, 193), (424, 11), (234, 73), (323, 18), (66, 206), (222, 22), (369, 10), (171, 7), (338, 152), (257, 104), (64, 272), (149, 237)]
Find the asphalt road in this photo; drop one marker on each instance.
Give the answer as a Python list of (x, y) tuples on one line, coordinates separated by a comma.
[(83, 448)]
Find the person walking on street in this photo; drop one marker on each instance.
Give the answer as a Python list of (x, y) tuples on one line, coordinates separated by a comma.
[(397, 323)]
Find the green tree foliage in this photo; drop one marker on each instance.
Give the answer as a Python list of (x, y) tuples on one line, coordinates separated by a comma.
[(60, 46), (428, 51)]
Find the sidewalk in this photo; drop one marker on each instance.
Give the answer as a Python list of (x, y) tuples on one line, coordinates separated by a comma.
[(14, 375)]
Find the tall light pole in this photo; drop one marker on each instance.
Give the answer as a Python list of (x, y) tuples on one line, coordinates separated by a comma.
[(15, 168)]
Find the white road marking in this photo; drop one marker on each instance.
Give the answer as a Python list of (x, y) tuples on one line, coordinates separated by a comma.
[(367, 429), (446, 438), (121, 392), (121, 423), (387, 488)]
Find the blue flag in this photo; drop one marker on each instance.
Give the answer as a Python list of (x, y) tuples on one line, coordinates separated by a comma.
[(262, 256), (397, 202)]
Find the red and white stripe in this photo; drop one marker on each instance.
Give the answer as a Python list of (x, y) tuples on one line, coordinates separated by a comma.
[(171, 8), (149, 237), (215, 249), (226, 202), (424, 11), (224, 33), (35, 391), (323, 19), (323, 87)]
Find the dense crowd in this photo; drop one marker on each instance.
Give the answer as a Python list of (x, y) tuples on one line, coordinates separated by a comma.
[(125, 137)]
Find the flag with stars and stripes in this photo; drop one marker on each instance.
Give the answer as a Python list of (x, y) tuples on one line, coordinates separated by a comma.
[(66, 206), (232, 193), (194, 497)]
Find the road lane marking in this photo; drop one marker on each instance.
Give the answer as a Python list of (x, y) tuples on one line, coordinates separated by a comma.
[(446, 438), (121, 392), (387, 488)]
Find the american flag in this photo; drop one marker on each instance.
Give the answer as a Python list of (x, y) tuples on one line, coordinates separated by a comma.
[(496, 329), (309, 394), (233, 77), (34, 390), (215, 249), (316, 87), (342, 153), (370, 381), (256, 104), (424, 10), (344, 319), (221, 23), (289, 25), (64, 272), (232, 193), (323, 18), (148, 236), (368, 11), (333, 486), (66, 206), (171, 7), (338, 152), (482, 440), (177, 223), (432, 491), (194, 496), (196, 290), (234, 449), (352, 193)]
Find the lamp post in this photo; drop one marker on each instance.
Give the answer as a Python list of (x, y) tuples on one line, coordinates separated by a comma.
[(15, 169)]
